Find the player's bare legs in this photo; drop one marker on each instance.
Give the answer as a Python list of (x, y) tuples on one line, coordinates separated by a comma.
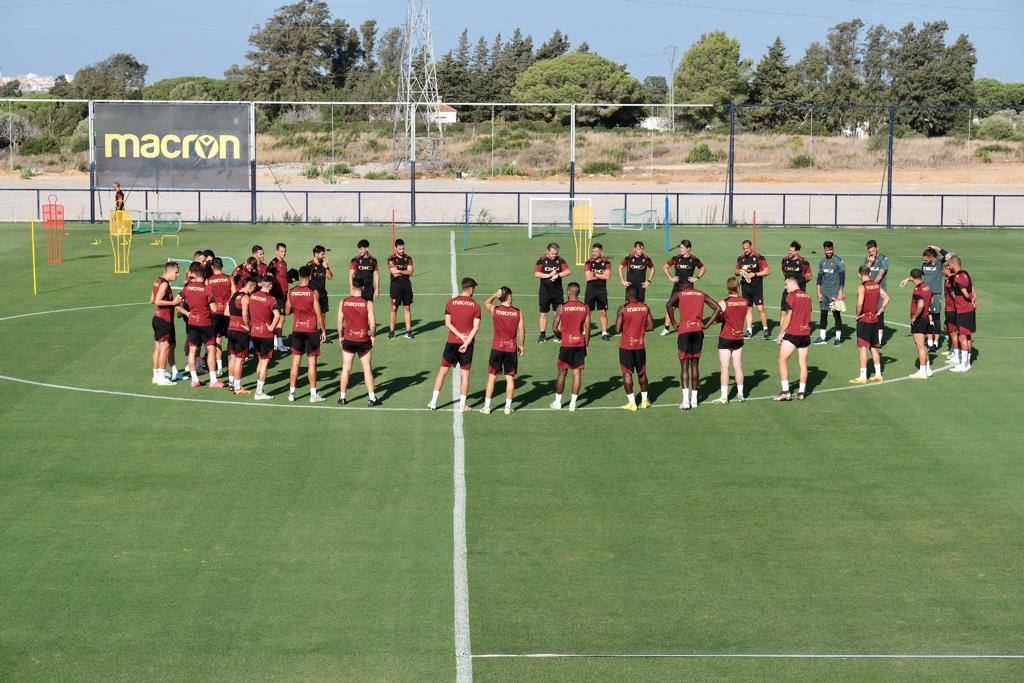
[(694, 380), (737, 373), (442, 372), (311, 374), (408, 321), (559, 388), (293, 376), (261, 379), (923, 361), (724, 356), (346, 369), (175, 375), (603, 317), (367, 362), (392, 315), (784, 353), (542, 324), (510, 389), (464, 390), (577, 381), (489, 388), (802, 358), (684, 382)]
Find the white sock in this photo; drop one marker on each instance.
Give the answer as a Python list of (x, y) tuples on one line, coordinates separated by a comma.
[(693, 397), (312, 392), (174, 370), (838, 334), (213, 377), (750, 330), (220, 365), (433, 398), (508, 404), (878, 369), (462, 401), (725, 393), (558, 399), (864, 373), (291, 390), (928, 366), (803, 388), (686, 398), (572, 400), (277, 341), (643, 395), (342, 396), (785, 386), (157, 374), (373, 395), (487, 403), (238, 382), (631, 399), (195, 376), (739, 391), (259, 387), (824, 333)]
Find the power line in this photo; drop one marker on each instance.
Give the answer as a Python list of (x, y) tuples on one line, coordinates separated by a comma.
[(930, 6), (63, 3), (802, 15)]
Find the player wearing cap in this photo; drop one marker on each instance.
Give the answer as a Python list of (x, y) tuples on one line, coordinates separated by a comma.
[(879, 265), (794, 335), (319, 273), (357, 329), (683, 270), (752, 268), (965, 302), (264, 318), (633, 321), (871, 303), (634, 269), (690, 303), (572, 320), (363, 272), (735, 310), (550, 269), (462, 318), (920, 322), (509, 343), (401, 267), (308, 332), (831, 281), (165, 302), (597, 271)]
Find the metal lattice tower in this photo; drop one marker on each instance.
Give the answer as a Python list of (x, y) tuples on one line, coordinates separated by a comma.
[(417, 133)]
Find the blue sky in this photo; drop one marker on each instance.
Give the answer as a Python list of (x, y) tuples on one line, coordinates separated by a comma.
[(192, 37)]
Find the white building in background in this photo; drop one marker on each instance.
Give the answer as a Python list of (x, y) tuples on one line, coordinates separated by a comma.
[(659, 123), (32, 83), (446, 114)]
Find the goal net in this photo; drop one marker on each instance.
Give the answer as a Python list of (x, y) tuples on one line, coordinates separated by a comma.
[(620, 219), (553, 215), (156, 222)]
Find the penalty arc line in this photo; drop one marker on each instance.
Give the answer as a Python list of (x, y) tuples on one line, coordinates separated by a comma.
[(463, 653)]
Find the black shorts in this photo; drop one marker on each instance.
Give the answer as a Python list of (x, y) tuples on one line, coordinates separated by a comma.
[(867, 334), (965, 323), (922, 325), (360, 348), (633, 360), (690, 344), (238, 343), (220, 325), (163, 331), (451, 356), (325, 303), (596, 299), (401, 292), (305, 344), (729, 344), (550, 299), (936, 322), (753, 295), (951, 322), (200, 336), (503, 363), (281, 301), (264, 348), (641, 292), (572, 357), (800, 342), (366, 288)]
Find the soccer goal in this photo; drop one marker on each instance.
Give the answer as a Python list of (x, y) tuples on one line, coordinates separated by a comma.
[(620, 219), (156, 222), (554, 215)]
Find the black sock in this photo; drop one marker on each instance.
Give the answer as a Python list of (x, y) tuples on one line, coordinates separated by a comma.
[(823, 322), (839, 320)]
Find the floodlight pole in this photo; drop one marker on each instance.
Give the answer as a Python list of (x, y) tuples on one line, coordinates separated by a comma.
[(572, 157), (92, 165), (252, 164)]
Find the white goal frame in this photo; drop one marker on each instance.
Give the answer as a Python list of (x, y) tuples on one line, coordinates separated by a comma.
[(145, 220), (569, 202)]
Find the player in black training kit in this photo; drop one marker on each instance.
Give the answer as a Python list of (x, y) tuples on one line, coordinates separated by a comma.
[(320, 273), (551, 269), (752, 268), (683, 270), (597, 271), (794, 266), (633, 270), (401, 267), (363, 271)]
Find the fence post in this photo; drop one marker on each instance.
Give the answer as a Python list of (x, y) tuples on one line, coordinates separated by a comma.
[(252, 163), (732, 158), (412, 165), (888, 168), (92, 168)]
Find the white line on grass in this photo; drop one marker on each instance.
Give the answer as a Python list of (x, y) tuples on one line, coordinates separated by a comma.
[(463, 653), (739, 655)]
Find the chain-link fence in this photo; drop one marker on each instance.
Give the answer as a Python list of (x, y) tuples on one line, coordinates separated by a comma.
[(639, 164)]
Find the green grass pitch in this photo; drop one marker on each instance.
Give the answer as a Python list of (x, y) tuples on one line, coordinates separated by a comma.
[(214, 538)]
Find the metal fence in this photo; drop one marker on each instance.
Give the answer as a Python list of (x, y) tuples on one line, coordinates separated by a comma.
[(791, 165)]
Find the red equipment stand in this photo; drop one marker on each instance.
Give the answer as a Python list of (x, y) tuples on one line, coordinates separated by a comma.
[(53, 223)]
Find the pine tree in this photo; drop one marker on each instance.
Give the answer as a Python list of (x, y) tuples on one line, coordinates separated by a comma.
[(555, 46), (462, 51), (772, 83)]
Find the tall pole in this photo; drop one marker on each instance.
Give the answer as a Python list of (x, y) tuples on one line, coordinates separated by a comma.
[(888, 166), (412, 165), (252, 163), (732, 157), (671, 50), (572, 157), (92, 166)]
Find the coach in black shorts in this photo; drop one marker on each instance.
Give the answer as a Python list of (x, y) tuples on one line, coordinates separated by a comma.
[(550, 270)]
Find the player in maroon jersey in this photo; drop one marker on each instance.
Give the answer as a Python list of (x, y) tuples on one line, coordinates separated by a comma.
[(259, 255), (239, 325), (247, 270), (965, 301), (308, 332), (198, 305), (163, 324), (221, 287), (735, 312), (633, 321), (951, 326), (357, 328), (597, 271), (264, 317), (794, 335), (509, 343), (869, 322), (282, 278), (920, 322), (690, 303), (462, 318), (572, 326), (550, 269)]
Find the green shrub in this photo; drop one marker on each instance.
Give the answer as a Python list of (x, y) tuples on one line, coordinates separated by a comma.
[(380, 175), (41, 145), (82, 166), (985, 157), (312, 171), (802, 161), (702, 154), (602, 167), (374, 146), (79, 145), (509, 169), (879, 143), (994, 148), (996, 128), (28, 174)]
